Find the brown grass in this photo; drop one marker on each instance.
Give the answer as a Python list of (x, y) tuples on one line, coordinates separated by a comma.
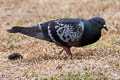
[(41, 59)]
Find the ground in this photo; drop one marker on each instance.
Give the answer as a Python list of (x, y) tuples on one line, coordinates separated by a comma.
[(99, 61)]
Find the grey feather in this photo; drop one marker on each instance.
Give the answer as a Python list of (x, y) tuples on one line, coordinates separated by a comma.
[(66, 31), (33, 31)]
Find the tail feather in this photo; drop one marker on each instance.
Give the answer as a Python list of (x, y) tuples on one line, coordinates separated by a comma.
[(33, 31), (15, 29)]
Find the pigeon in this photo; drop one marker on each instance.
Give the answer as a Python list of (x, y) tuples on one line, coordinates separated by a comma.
[(66, 32)]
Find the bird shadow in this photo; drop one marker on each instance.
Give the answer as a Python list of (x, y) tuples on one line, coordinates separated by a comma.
[(76, 56), (80, 55)]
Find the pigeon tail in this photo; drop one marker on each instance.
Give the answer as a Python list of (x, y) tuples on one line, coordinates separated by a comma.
[(15, 29), (33, 31)]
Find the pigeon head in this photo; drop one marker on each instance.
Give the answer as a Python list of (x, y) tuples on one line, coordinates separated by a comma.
[(99, 22)]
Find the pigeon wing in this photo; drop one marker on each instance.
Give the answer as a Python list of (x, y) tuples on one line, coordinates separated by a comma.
[(66, 31)]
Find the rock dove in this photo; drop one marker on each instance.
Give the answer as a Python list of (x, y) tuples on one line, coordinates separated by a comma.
[(66, 32)]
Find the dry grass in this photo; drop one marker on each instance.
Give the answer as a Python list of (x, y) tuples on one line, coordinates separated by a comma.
[(41, 59)]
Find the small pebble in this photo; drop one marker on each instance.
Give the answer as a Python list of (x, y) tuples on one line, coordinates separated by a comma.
[(15, 56)]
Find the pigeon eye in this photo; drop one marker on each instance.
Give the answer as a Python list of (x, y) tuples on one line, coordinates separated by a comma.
[(99, 22)]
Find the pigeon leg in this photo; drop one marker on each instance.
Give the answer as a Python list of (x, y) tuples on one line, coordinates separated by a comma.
[(68, 51)]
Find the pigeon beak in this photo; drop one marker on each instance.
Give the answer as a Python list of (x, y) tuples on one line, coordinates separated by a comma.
[(105, 27)]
